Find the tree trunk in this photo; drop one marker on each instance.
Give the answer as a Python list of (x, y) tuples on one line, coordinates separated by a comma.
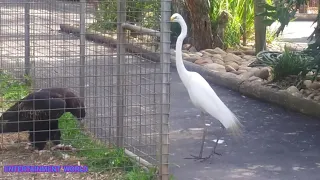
[(178, 6), (200, 24), (259, 27)]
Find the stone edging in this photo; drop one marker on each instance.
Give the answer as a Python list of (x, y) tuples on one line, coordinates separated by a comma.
[(227, 79), (256, 90)]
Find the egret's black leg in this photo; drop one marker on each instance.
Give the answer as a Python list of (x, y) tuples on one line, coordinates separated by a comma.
[(213, 152), (199, 157)]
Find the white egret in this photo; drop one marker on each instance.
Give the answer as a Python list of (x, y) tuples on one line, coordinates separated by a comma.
[(202, 95)]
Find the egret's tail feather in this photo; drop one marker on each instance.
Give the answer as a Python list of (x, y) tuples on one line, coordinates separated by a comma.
[(235, 128)]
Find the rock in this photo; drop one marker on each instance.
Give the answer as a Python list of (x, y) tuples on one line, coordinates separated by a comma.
[(185, 51), (233, 65), (206, 54), (203, 61), (254, 69), (186, 46), (215, 51), (237, 72), (307, 83), (244, 63), (229, 68), (253, 78), (263, 73), (216, 67), (258, 80), (314, 85), (311, 96), (249, 58), (195, 56), (245, 68), (218, 62), (217, 56), (246, 75), (232, 58), (193, 49), (317, 98), (242, 71), (307, 92), (294, 91), (185, 55), (191, 59), (199, 54)]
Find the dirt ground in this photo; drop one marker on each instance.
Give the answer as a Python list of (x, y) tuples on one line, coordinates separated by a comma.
[(13, 151)]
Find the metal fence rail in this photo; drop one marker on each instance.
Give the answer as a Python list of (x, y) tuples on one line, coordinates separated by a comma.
[(126, 96)]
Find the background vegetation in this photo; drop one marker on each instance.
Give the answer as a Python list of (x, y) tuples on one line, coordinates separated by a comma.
[(147, 14)]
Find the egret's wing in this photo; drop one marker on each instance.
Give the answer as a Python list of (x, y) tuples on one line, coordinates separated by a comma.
[(206, 99)]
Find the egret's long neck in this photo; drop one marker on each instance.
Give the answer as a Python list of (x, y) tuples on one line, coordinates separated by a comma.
[(182, 71)]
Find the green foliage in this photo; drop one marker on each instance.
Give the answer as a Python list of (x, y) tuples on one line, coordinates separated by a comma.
[(270, 36), (281, 11), (139, 174), (236, 9), (315, 64), (106, 16), (291, 63), (145, 12), (97, 156), (12, 89)]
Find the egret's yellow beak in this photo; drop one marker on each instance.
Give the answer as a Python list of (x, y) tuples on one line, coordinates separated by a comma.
[(171, 18)]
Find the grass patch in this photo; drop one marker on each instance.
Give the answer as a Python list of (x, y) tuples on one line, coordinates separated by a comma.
[(12, 89), (97, 156), (290, 63)]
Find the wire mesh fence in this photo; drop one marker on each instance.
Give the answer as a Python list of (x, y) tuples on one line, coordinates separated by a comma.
[(99, 52)]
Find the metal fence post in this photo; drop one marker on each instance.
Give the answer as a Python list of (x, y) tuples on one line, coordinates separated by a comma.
[(27, 37), (82, 46), (165, 99), (1, 38), (121, 18)]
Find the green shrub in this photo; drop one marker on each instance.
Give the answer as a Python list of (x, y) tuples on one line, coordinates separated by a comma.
[(291, 63), (236, 10), (146, 13), (12, 89)]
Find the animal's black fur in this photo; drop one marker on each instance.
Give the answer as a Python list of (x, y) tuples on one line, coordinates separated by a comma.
[(74, 104), (38, 113)]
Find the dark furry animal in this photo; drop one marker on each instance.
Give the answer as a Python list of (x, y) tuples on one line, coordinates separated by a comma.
[(74, 104), (38, 113)]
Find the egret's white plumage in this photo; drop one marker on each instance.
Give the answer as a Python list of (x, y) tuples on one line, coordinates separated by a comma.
[(201, 94)]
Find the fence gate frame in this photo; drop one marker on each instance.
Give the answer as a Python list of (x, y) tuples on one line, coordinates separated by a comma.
[(164, 34)]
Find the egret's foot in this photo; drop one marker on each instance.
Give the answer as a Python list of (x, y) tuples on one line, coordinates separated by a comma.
[(211, 155), (194, 157)]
